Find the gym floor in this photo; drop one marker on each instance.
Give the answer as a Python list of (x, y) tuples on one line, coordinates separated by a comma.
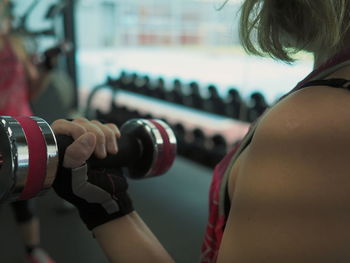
[(175, 206)]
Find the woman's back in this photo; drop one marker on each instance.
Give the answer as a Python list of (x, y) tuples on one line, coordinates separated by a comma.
[(291, 192)]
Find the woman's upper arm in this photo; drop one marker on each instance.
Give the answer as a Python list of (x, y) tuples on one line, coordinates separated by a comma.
[(292, 196)]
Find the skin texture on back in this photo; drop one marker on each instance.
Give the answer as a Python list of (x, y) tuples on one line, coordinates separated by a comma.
[(291, 197)]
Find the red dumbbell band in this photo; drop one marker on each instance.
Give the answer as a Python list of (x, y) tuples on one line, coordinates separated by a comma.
[(167, 155), (37, 157)]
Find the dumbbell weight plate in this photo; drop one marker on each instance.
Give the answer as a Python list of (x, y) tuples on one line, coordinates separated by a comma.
[(29, 157), (167, 150), (158, 147)]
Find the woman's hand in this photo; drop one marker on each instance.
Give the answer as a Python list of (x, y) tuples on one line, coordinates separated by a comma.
[(89, 137), (100, 195)]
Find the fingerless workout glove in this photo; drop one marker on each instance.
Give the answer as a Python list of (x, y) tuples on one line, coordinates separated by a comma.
[(99, 195)]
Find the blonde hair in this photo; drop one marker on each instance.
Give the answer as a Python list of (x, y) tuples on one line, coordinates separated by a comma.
[(281, 28)]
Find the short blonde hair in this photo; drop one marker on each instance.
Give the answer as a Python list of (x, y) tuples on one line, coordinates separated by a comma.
[(281, 28)]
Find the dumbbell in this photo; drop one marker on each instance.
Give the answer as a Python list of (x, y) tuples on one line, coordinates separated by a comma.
[(130, 83), (234, 104), (217, 150), (159, 91), (195, 99), (143, 85), (215, 103), (180, 134), (257, 106), (30, 154), (175, 95), (197, 146)]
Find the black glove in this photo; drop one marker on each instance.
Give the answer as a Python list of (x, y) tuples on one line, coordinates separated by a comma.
[(99, 195)]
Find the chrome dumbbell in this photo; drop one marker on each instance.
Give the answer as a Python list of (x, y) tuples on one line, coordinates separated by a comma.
[(30, 153)]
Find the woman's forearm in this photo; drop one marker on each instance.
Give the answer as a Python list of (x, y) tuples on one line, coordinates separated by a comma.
[(129, 240)]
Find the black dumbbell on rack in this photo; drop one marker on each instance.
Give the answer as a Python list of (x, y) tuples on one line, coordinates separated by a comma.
[(197, 150), (180, 133), (257, 106), (215, 103), (235, 106), (159, 90), (123, 80), (130, 82), (218, 149), (176, 95), (143, 86), (195, 99), (30, 154)]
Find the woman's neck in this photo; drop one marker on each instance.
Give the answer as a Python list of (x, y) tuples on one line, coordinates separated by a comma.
[(320, 59), (321, 56)]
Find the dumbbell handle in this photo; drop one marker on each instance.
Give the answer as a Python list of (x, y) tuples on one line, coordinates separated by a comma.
[(129, 151)]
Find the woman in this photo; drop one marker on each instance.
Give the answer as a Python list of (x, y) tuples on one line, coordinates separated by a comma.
[(287, 185), (284, 195), (20, 81)]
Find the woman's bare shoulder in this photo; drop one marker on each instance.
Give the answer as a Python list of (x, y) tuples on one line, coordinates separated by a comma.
[(293, 186), (318, 109)]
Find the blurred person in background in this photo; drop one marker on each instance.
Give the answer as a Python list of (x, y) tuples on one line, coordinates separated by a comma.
[(20, 82)]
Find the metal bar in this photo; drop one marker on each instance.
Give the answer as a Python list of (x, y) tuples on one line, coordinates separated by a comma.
[(69, 33)]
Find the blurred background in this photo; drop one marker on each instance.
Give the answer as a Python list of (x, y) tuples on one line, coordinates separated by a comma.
[(176, 60)]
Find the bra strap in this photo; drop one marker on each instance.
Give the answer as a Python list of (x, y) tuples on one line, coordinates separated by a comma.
[(336, 83)]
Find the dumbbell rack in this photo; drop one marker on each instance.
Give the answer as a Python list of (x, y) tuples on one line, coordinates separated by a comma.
[(127, 104)]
